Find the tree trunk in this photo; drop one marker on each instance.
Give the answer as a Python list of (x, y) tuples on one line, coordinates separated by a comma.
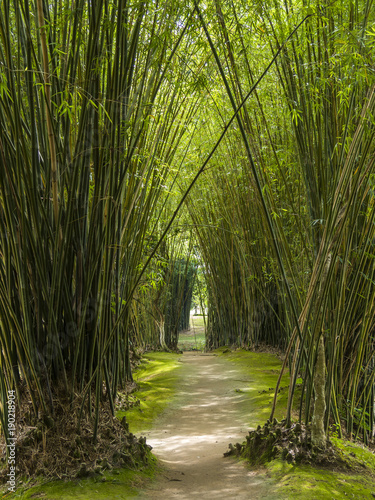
[(318, 435), (161, 326)]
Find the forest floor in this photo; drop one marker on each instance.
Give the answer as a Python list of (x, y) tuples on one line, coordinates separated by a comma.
[(191, 436), (190, 406), (218, 398)]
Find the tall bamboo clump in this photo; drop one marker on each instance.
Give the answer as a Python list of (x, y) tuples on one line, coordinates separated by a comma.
[(320, 175), (91, 98), (332, 106), (243, 294)]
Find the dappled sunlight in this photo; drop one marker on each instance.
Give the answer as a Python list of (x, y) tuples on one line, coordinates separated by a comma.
[(227, 486), (193, 435), (177, 443), (157, 367)]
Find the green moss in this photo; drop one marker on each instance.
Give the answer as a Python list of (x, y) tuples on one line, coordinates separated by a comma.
[(261, 371), (355, 454), (286, 481), (303, 481), (156, 376), (114, 484)]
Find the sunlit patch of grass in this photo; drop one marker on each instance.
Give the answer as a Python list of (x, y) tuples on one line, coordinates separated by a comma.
[(190, 341), (195, 338)]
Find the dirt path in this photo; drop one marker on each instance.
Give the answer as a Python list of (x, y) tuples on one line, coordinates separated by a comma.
[(192, 435)]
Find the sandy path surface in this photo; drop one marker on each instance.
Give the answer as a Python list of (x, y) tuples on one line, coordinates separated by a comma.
[(192, 435)]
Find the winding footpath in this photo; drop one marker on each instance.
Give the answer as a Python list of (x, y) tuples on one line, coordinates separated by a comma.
[(194, 432)]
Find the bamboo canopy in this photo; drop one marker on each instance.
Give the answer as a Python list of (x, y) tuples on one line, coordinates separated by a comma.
[(144, 145)]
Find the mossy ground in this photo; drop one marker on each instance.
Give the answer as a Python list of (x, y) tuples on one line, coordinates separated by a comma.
[(156, 377), (300, 481), (305, 482), (113, 484), (261, 371)]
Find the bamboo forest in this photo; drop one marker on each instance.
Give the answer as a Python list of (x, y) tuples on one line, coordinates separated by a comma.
[(187, 249)]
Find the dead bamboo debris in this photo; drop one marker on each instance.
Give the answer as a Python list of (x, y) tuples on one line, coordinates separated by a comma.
[(54, 447), (293, 444)]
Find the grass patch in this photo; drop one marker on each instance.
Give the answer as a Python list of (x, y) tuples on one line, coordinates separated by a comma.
[(304, 481), (355, 454), (191, 341), (156, 376), (113, 484), (195, 338)]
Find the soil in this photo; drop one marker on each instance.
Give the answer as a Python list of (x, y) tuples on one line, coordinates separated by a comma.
[(191, 437)]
